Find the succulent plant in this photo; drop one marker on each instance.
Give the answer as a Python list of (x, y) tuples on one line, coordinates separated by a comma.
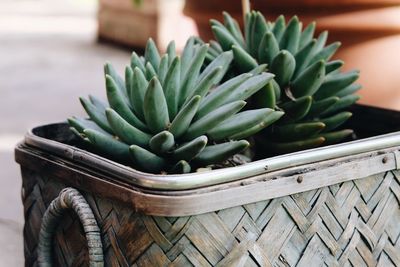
[(307, 85), (169, 115)]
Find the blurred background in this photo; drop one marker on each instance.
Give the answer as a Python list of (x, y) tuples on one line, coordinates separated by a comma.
[(53, 51)]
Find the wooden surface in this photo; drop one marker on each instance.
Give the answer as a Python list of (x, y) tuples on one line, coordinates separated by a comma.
[(121, 22), (128, 27), (355, 223)]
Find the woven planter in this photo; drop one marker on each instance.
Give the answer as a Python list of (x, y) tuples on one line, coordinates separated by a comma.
[(333, 206)]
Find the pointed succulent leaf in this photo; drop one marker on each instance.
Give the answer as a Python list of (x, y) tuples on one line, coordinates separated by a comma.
[(223, 36), (163, 68), (334, 83), (107, 145), (192, 73), (137, 62), (309, 81), (151, 54), (289, 147), (321, 41), (327, 52), (343, 103), (291, 37), (120, 84), (181, 167), (297, 109), (100, 104), (318, 107), (248, 25), (150, 71), (233, 28), (265, 122), (296, 131), (185, 116), (203, 86), (259, 69), (336, 120), (118, 103), (96, 114), (266, 98), (259, 29), (283, 66), (268, 49), (249, 87), (172, 86), (336, 137), (128, 81), (220, 152), (307, 35), (222, 61), (304, 56), (162, 142), (155, 107), (245, 61), (215, 117), (80, 125), (333, 66), (351, 89), (125, 131), (139, 86), (171, 51), (279, 27), (191, 149), (238, 123), (218, 96), (186, 56), (146, 160)]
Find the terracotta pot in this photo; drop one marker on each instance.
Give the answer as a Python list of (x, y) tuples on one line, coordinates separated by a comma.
[(203, 11), (369, 32)]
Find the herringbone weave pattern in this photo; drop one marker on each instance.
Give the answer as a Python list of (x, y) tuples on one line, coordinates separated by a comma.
[(355, 223)]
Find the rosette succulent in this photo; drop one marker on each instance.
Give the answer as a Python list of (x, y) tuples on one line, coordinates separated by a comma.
[(170, 115), (308, 86)]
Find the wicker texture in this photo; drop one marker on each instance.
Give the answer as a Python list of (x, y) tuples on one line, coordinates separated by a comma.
[(355, 223), (69, 198)]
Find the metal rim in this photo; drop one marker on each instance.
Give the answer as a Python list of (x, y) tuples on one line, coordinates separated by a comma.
[(197, 180)]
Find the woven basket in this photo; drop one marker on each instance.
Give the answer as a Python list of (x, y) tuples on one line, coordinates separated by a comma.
[(343, 211)]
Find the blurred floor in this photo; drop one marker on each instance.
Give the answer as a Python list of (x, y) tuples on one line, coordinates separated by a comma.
[(49, 57)]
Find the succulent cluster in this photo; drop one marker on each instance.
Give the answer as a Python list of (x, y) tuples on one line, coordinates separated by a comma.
[(308, 86), (172, 113)]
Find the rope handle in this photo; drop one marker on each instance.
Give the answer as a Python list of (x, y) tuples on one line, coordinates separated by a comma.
[(69, 198)]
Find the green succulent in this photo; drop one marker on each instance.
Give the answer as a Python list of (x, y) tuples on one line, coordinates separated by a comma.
[(169, 115), (309, 87)]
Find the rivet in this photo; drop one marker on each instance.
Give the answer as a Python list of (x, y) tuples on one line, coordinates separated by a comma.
[(300, 179), (384, 160)]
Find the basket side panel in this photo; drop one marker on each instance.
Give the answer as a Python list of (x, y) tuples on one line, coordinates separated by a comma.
[(355, 223), (70, 243)]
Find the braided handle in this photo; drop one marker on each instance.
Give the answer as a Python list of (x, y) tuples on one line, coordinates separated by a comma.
[(69, 198)]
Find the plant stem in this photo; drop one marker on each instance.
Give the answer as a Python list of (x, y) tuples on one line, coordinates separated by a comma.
[(245, 8)]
